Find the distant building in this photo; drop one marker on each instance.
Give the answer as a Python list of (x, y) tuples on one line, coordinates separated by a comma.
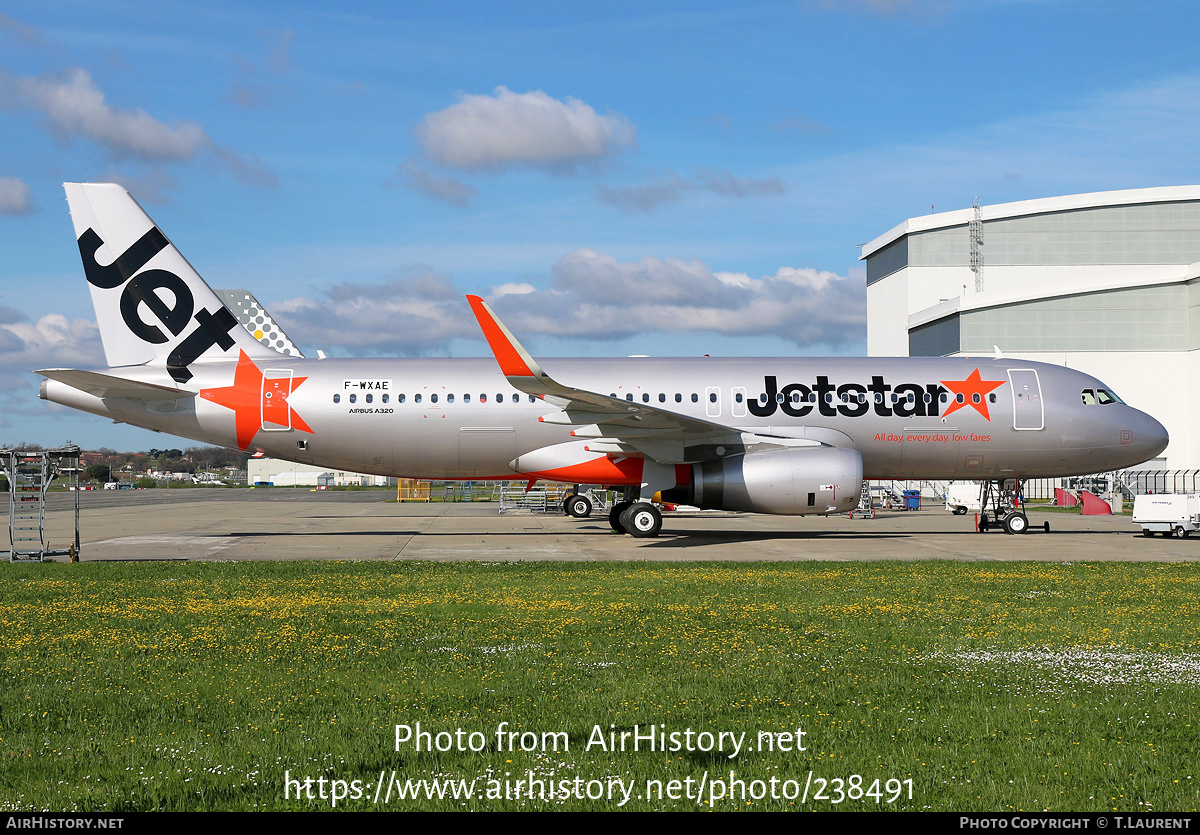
[(289, 474), (1108, 283)]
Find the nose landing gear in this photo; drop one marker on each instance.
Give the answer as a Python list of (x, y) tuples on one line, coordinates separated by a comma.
[(1003, 498)]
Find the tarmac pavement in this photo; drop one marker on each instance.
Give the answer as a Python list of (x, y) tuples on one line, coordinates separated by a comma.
[(285, 524)]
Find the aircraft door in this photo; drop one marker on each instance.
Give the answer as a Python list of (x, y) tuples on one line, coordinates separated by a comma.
[(712, 402), (739, 401), (1028, 409), (276, 388)]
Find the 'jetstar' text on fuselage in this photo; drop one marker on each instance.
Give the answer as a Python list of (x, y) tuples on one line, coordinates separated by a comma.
[(846, 400)]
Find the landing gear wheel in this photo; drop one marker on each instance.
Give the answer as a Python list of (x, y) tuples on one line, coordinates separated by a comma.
[(1182, 532), (642, 520), (578, 506), (614, 516), (1016, 522), (983, 522)]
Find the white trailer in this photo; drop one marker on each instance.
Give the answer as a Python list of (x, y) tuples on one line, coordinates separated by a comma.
[(962, 497), (1169, 514)]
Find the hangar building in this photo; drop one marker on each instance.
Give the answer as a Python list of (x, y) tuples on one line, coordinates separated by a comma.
[(1108, 283)]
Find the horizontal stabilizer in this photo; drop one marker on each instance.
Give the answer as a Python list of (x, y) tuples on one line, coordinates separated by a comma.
[(102, 385)]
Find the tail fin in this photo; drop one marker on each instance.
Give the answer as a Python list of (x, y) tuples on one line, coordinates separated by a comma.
[(152, 306)]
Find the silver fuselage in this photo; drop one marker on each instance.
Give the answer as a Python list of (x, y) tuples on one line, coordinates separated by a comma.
[(466, 425)]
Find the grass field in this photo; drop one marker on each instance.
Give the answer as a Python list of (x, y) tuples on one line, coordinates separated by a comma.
[(989, 686)]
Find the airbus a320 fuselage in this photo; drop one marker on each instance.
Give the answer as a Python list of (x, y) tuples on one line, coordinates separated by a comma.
[(774, 435)]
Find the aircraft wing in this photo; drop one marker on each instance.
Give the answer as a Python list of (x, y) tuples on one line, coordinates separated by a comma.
[(612, 425), (103, 385)]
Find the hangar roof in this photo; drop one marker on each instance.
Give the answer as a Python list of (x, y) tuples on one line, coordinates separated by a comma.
[(1044, 205)]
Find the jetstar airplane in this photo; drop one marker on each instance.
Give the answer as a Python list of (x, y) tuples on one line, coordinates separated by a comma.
[(784, 436)]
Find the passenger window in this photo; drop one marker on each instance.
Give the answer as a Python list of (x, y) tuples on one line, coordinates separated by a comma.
[(1089, 398), (516, 398), (499, 398), (646, 397), (712, 397), (483, 398), (696, 398), (466, 398), (449, 398), (370, 398), (433, 398), (337, 398), (959, 398), (629, 397), (399, 398), (795, 397), (975, 398), (762, 398), (678, 397), (778, 398), (386, 398), (532, 399), (662, 398), (354, 398), (737, 398), (991, 398), (416, 398)]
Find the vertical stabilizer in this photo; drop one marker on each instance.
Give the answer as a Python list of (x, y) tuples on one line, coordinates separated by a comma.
[(151, 305)]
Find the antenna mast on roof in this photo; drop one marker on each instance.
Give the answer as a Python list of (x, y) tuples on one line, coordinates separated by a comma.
[(975, 229)]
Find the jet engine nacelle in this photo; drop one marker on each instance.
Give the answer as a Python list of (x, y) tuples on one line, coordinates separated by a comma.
[(791, 482)]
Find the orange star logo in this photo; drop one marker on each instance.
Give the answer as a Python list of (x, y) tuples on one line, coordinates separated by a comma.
[(974, 391), (255, 399)]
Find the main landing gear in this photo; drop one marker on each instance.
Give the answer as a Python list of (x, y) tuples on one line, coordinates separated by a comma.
[(577, 506), (1003, 498), (640, 519)]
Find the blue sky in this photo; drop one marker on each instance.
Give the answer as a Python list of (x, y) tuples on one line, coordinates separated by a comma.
[(665, 179)]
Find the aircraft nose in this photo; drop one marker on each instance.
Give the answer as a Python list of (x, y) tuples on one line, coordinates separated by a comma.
[(1150, 435)]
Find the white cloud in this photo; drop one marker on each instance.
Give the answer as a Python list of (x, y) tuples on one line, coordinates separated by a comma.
[(75, 108), (891, 8), (23, 33), (591, 296), (51, 342), (671, 187), (507, 128), (446, 189), (16, 198)]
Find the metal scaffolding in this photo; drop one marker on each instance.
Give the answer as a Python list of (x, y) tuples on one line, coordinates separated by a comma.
[(30, 473)]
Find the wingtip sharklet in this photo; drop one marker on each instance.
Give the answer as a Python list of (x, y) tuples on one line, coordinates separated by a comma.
[(514, 360)]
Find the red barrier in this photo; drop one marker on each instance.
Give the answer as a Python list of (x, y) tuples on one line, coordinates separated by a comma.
[(1063, 498), (1093, 505)]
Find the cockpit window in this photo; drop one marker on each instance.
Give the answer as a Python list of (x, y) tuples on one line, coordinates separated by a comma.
[(1106, 397), (1089, 397)]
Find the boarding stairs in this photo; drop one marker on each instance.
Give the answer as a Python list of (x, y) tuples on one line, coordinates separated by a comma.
[(30, 474)]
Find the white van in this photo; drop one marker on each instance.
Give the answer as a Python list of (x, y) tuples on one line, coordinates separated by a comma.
[(962, 497), (1167, 513)]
